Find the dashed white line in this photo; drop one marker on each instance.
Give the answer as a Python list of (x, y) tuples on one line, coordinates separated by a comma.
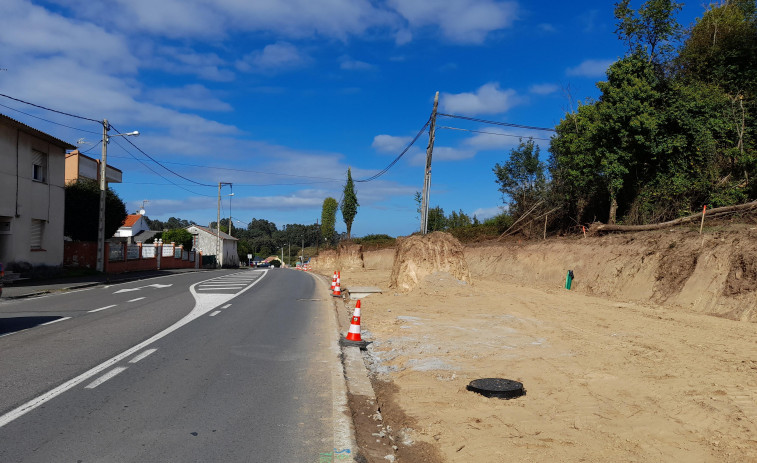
[(55, 321), (213, 314), (226, 306), (142, 355), (104, 377), (137, 299), (202, 306), (102, 308)]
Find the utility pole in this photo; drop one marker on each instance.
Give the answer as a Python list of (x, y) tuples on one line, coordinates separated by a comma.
[(103, 189), (219, 256), (427, 176)]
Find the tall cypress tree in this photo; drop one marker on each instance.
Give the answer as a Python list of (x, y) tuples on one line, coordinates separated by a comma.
[(349, 203), (328, 218)]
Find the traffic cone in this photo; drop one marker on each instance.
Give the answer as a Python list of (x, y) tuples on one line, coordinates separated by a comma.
[(353, 335), (333, 282), (337, 289)]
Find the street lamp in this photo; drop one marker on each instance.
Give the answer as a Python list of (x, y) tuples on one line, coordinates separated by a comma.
[(103, 189), (230, 195)]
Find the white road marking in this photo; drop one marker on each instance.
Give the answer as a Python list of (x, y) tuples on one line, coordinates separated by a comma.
[(104, 377), (226, 306), (213, 314), (55, 321), (142, 355), (135, 300), (204, 303), (217, 287), (126, 290), (102, 308)]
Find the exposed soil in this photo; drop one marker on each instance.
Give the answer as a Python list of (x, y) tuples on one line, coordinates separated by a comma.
[(650, 357)]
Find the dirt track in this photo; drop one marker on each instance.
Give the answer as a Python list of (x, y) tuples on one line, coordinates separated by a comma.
[(613, 378)]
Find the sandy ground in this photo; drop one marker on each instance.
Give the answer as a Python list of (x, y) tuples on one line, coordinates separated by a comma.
[(605, 380)]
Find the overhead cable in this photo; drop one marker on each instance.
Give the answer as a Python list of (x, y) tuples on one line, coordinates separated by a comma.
[(158, 173), (386, 169), (158, 162), (493, 133), (50, 109), (505, 124), (47, 120)]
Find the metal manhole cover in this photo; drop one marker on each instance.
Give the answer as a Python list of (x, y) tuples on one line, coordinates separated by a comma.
[(497, 387)]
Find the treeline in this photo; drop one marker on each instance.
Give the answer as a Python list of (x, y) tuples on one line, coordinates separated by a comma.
[(672, 130)]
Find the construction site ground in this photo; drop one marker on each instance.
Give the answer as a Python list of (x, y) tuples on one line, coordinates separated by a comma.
[(651, 356)]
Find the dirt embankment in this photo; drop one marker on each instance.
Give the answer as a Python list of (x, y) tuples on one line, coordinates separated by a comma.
[(630, 365)]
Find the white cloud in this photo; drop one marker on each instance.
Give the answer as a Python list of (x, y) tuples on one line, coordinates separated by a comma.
[(29, 30), (193, 96), (441, 153), (403, 37), (546, 27), (495, 138), (389, 143), (484, 213), (463, 21), (174, 60), (590, 68), (488, 99), (349, 64), (274, 57), (543, 89)]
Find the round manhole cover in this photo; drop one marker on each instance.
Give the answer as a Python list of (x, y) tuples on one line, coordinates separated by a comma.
[(497, 387)]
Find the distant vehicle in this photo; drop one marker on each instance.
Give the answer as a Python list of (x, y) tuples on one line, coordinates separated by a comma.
[(263, 264)]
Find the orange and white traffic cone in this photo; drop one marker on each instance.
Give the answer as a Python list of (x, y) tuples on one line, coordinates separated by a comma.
[(337, 289), (353, 335), (333, 282)]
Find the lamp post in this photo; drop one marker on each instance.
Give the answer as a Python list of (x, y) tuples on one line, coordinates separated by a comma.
[(230, 195), (103, 189)]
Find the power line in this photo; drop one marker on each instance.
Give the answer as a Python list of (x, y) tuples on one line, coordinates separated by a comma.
[(93, 147), (158, 173), (50, 109), (329, 179), (158, 162), (494, 133), (386, 169), (505, 124), (47, 120)]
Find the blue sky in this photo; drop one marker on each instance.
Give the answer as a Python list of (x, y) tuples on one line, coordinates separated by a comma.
[(280, 97)]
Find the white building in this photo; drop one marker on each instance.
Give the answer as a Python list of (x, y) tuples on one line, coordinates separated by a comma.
[(206, 240), (133, 225), (32, 195)]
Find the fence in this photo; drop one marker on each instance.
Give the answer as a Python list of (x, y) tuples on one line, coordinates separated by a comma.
[(123, 257)]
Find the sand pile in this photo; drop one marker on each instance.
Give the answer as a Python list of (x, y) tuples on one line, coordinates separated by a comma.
[(346, 256), (419, 256)]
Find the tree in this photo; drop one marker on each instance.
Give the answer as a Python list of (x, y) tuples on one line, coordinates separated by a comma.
[(81, 220), (436, 219), (349, 203), (521, 179), (328, 219), (651, 31), (180, 236)]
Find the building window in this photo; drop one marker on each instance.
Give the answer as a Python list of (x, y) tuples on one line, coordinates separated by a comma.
[(36, 234), (39, 166)]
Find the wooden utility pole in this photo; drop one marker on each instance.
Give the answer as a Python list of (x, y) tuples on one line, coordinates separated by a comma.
[(427, 176)]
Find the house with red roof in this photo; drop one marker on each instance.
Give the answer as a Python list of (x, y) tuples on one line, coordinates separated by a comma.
[(134, 225)]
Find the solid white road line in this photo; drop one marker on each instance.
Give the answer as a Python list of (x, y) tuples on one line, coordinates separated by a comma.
[(135, 300), (55, 321), (142, 355), (217, 287), (226, 306), (104, 377), (202, 306), (213, 314), (102, 308)]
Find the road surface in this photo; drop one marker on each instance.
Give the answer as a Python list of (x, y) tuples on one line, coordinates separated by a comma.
[(214, 366)]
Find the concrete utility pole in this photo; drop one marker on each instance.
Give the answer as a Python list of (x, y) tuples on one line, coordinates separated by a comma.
[(427, 176), (103, 189), (100, 266)]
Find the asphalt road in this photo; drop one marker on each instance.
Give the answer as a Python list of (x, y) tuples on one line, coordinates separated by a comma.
[(222, 366)]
